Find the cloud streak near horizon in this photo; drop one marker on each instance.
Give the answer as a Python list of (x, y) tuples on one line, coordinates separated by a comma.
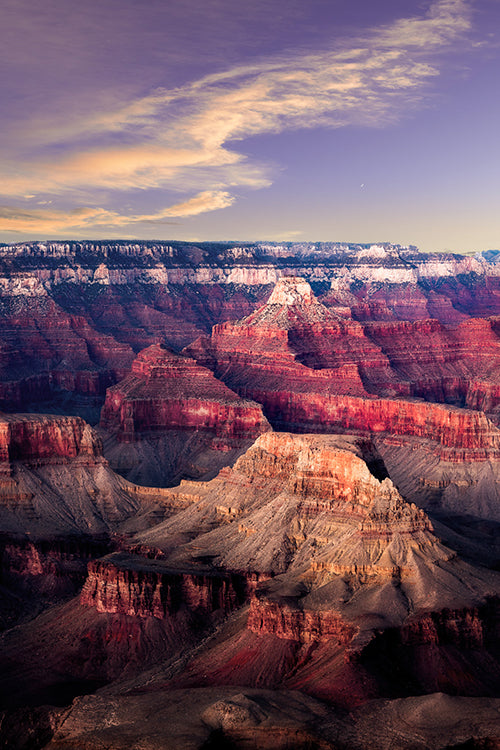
[(186, 140)]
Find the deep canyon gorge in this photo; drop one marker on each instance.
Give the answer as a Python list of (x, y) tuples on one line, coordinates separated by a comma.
[(250, 497)]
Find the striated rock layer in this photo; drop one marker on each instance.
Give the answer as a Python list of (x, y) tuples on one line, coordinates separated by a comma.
[(33, 438), (263, 356), (338, 567), (73, 313), (296, 569), (61, 506), (171, 418), (166, 391)]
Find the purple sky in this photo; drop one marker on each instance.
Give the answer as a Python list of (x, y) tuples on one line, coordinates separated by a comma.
[(347, 120)]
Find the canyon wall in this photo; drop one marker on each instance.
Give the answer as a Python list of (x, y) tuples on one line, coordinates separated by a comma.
[(77, 312)]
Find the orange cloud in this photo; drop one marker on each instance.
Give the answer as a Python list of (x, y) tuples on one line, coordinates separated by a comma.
[(52, 221), (185, 139)]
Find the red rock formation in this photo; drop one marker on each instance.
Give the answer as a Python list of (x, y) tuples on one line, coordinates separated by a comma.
[(35, 438), (53, 350), (262, 357), (166, 392), (345, 558), (442, 364), (298, 625), (76, 309), (135, 586), (451, 433), (310, 510)]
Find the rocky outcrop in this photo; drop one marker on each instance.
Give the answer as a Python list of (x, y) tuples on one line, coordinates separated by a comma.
[(344, 563), (271, 618), (263, 355), (46, 349), (73, 313), (56, 484), (36, 574), (171, 419), (338, 570), (165, 391), (46, 439), (144, 588), (306, 510)]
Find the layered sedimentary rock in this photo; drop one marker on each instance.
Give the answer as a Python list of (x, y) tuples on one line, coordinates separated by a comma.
[(334, 560), (61, 506), (75, 311), (177, 419), (122, 584), (166, 391), (263, 357), (295, 569), (339, 572), (456, 365), (32, 438), (46, 350)]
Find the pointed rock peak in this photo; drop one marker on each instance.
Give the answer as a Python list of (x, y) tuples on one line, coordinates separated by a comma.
[(291, 290), (292, 303)]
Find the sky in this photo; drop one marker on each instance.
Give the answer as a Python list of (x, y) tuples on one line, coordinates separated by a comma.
[(283, 120)]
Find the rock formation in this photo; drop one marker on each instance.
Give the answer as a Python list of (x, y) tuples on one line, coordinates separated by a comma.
[(177, 418), (351, 559), (61, 506), (73, 313), (262, 356), (335, 564)]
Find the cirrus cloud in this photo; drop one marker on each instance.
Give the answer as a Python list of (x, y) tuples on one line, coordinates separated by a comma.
[(188, 138), (78, 219)]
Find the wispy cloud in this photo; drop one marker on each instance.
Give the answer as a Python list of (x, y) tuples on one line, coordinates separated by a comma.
[(187, 138), (78, 219)]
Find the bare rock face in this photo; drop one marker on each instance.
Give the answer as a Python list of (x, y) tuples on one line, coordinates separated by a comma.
[(61, 506), (171, 418), (46, 439), (73, 314), (124, 584), (307, 508), (46, 350), (166, 391), (55, 480), (291, 290), (295, 569), (312, 371), (345, 572)]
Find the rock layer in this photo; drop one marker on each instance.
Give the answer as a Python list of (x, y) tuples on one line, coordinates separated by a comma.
[(262, 356), (73, 313), (170, 418), (166, 391)]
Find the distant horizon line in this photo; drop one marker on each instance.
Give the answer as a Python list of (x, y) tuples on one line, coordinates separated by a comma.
[(231, 241)]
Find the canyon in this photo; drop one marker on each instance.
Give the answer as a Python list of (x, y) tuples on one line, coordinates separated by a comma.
[(250, 496)]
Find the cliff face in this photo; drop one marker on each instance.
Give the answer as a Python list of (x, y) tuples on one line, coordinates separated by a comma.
[(74, 313), (165, 391), (170, 419), (55, 483), (122, 584), (45, 348), (307, 511), (263, 357), (337, 570), (46, 439), (309, 572), (349, 573)]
